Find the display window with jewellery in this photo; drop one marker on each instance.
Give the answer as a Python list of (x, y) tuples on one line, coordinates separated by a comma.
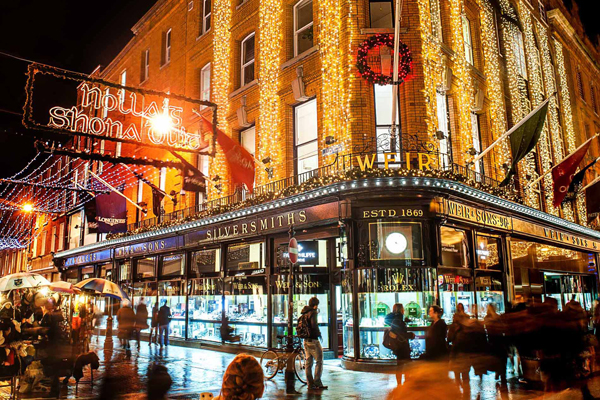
[(172, 294), (545, 271), (346, 313), (455, 273), (205, 295), (489, 275), (245, 300)]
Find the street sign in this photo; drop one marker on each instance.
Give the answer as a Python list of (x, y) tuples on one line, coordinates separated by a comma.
[(293, 250), (327, 151)]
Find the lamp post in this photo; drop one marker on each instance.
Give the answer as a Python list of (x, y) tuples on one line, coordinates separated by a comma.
[(290, 379), (28, 208)]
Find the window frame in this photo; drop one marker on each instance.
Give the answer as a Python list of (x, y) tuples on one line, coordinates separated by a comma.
[(243, 66), (371, 14), (146, 66), (168, 38), (518, 48), (298, 31), (467, 44), (296, 143), (123, 82), (206, 16), (206, 68), (476, 140)]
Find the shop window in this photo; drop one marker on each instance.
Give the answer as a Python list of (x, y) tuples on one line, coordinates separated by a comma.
[(87, 273), (443, 127), (205, 262), (489, 287), (246, 256), (456, 287), (467, 39), (381, 14), (455, 247), (246, 310), (173, 265), (206, 15), (306, 131), (146, 268), (166, 48), (205, 307), (519, 51), (303, 26), (247, 59), (124, 270), (205, 83), (106, 271), (145, 72), (347, 313), (488, 253), (390, 241), (171, 293), (72, 275), (306, 286), (311, 253), (378, 290), (146, 292)]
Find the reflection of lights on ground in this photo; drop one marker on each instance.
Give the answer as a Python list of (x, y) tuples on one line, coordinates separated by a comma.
[(161, 123)]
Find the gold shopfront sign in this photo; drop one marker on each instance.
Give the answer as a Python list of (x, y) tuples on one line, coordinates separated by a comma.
[(479, 216), (556, 236)]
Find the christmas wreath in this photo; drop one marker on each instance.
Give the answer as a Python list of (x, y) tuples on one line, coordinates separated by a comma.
[(378, 78)]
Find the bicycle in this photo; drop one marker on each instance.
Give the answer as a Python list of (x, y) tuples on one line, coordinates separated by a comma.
[(275, 360)]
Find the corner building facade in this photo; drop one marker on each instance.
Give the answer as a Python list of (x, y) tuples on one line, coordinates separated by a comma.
[(378, 221)]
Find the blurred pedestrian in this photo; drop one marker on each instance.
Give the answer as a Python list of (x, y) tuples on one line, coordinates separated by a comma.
[(312, 346), (159, 382), (141, 320), (243, 380), (395, 320), (164, 319), (428, 381), (96, 320), (436, 347), (596, 319), (495, 331), (153, 325), (126, 319)]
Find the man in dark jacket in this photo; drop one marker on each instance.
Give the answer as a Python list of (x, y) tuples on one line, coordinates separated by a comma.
[(395, 320), (141, 320), (312, 346), (164, 318)]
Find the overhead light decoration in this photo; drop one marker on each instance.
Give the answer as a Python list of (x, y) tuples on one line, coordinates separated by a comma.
[(161, 123), (27, 207)]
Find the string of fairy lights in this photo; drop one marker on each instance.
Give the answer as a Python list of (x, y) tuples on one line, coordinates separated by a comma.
[(270, 47)]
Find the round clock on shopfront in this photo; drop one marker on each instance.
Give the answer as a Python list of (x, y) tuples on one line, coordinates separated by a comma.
[(395, 243)]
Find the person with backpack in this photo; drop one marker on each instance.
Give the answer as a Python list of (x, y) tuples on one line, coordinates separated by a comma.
[(308, 329)]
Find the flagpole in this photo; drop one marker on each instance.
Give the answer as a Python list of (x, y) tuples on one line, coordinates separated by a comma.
[(551, 169), (115, 190), (512, 130), (141, 177), (589, 184)]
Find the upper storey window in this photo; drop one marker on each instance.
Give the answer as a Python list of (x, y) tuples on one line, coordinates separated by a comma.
[(381, 14), (467, 39), (248, 59), (206, 13), (166, 55), (145, 65), (519, 50), (303, 26)]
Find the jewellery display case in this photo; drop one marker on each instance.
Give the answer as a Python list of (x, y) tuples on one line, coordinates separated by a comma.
[(205, 306), (171, 293), (146, 291)]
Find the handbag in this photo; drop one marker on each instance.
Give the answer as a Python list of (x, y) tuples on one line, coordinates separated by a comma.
[(392, 340)]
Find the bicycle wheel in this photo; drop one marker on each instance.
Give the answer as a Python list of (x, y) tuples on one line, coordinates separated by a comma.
[(300, 367), (269, 363)]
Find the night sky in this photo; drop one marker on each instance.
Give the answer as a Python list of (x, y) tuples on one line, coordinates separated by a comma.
[(79, 36)]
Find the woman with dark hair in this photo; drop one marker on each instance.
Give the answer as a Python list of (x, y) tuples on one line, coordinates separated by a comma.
[(436, 348)]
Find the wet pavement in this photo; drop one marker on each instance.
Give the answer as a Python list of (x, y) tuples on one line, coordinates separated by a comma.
[(198, 370)]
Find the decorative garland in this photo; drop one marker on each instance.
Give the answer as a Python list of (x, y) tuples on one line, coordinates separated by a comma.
[(317, 182), (378, 78)]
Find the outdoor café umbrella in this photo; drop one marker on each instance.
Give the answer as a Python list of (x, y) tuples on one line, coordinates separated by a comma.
[(64, 287), (22, 280), (103, 287)]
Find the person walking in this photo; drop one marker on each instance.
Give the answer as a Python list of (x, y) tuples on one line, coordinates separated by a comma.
[(243, 380), (141, 320), (395, 320), (312, 346), (126, 319), (153, 326), (164, 318)]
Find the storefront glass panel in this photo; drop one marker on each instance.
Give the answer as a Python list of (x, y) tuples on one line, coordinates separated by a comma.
[(395, 243), (204, 262), (172, 265), (488, 253), (87, 272), (145, 268), (205, 307), (147, 292), (305, 287), (378, 291), (72, 275), (489, 289), (172, 294), (455, 247), (246, 309), (106, 271), (456, 287), (347, 312)]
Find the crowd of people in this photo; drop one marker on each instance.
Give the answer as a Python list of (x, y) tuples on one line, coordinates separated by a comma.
[(131, 324), (536, 342)]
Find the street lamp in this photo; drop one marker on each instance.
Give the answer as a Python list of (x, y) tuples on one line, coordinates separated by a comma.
[(28, 208)]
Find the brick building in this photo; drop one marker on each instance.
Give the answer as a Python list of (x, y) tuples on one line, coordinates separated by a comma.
[(283, 75)]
